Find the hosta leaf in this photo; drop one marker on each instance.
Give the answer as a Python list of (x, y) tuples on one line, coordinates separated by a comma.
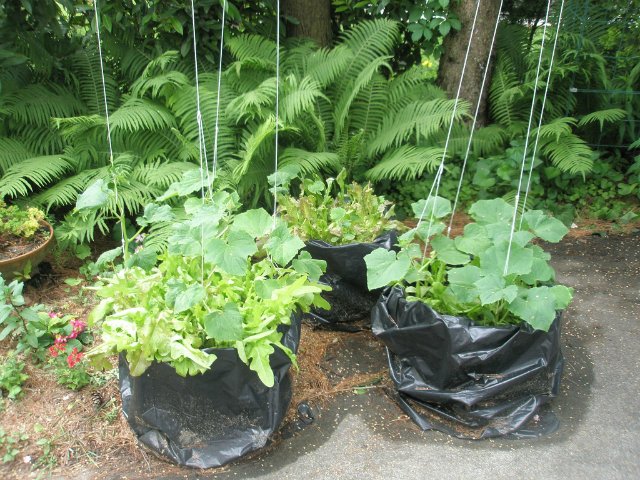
[(493, 288), (385, 267), (306, 265), (96, 196), (536, 306), (225, 326), (547, 228), (494, 259), (231, 256), (437, 206), (462, 282), (256, 223), (491, 211), (447, 252), (283, 246), (190, 297)]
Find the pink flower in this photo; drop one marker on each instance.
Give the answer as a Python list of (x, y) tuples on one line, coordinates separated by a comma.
[(53, 315)]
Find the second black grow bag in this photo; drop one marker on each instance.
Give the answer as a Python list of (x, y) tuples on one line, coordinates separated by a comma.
[(350, 298), (208, 420), (467, 380)]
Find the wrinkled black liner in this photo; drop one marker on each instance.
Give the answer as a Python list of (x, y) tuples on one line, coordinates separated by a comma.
[(350, 299), (208, 420), (466, 380)]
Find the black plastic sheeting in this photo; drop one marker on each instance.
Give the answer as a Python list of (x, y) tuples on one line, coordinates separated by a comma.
[(208, 420), (350, 299), (467, 380)]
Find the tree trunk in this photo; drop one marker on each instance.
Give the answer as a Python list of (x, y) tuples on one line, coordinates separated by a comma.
[(314, 17), (455, 47)]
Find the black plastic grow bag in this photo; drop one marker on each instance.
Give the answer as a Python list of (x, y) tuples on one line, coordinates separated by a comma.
[(208, 420), (467, 380), (350, 299)]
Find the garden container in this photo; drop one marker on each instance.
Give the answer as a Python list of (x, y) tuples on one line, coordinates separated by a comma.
[(9, 266), (208, 420), (468, 380), (350, 299)]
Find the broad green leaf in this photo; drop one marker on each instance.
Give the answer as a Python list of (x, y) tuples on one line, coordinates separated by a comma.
[(137, 363), (495, 258), (501, 232), (536, 306), (426, 231), (447, 252), (305, 264), (225, 326), (493, 288), (547, 228), (109, 256), (462, 282), (185, 241), (256, 223), (283, 246), (190, 297), (385, 267), (145, 259), (232, 255), (437, 207), (541, 271), (491, 211), (191, 181), (563, 296), (337, 213), (474, 241), (265, 288), (96, 196), (154, 213), (259, 357)]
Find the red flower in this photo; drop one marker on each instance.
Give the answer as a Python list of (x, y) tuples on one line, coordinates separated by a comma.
[(74, 358), (56, 349)]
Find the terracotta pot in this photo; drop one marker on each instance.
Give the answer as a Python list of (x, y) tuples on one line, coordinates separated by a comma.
[(18, 264)]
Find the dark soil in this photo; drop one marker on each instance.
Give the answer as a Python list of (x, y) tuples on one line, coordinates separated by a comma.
[(12, 246)]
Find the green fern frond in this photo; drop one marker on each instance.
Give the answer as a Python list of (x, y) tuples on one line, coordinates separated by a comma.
[(418, 120), (253, 104), (326, 66), (23, 177), (569, 153), (407, 162), (161, 174), (65, 192), (253, 51), (36, 104), (300, 97), (610, 115), (369, 108), (85, 65), (138, 114), (11, 152), (40, 139), (309, 163), (263, 132), (557, 128), (161, 85)]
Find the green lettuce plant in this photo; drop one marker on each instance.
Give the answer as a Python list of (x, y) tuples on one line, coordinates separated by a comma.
[(19, 222), (466, 275), (337, 212), (225, 280)]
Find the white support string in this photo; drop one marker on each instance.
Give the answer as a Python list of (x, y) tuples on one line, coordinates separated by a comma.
[(202, 149), (475, 118), (214, 167), (436, 180), (106, 113), (526, 143), (275, 184), (544, 101)]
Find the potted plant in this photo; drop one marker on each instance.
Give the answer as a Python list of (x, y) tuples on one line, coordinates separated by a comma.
[(25, 239), (341, 223), (206, 337), (471, 324)]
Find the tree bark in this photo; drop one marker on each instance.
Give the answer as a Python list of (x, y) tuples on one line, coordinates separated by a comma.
[(455, 46), (314, 17)]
